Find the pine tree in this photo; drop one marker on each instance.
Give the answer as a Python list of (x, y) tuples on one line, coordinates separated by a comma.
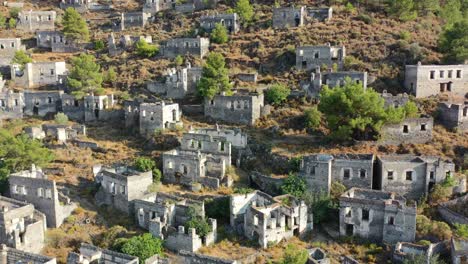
[(245, 10), (85, 75), (219, 34), (21, 58), (403, 9), (74, 26), (215, 77), (453, 42)]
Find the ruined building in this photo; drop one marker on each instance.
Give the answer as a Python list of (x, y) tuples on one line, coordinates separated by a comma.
[(377, 216), (190, 6), (426, 80), (55, 41), (321, 14), (229, 21), (91, 108), (8, 48), (332, 79), (34, 187), (41, 103), (10, 255), (239, 108), (125, 43), (32, 21), (154, 6), (191, 241), (317, 256), (459, 251), (454, 115), (151, 117), (92, 254), (405, 251), (178, 83), (85, 5), (197, 47), (55, 132), (202, 159), (352, 170), (396, 101), (286, 17), (120, 186), (416, 130), (312, 57), (36, 74), (21, 226), (11, 104), (131, 20), (410, 175), (235, 136), (268, 220)]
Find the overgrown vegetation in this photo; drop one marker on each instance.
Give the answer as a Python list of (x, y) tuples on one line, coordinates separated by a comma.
[(277, 94), (294, 185), (219, 34), (21, 58), (143, 246), (145, 49), (74, 26), (215, 77), (145, 164)]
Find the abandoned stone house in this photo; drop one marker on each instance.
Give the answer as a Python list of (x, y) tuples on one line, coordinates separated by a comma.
[(55, 41), (85, 5), (313, 57), (196, 258), (10, 255), (459, 250), (426, 80), (125, 43), (352, 170), (11, 104), (317, 256), (41, 103), (453, 115), (411, 176), (120, 186), (377, 216), (229, 21), (235, 136), (33, 186), (32, 21), (152, 117), (239, 108), (405, 251), (286, 17), (21, 226), (416, 130), (247, 77), (59, 133), (90, 108), (332, 79), (130, 20), (37, 74), (190, 6), (197, 47), (162, 213), (201, 159), (395, 101), (154, 6), (8, 48), (92, 254), (269, 220), (321, 14), (190, 241), (178, 83)]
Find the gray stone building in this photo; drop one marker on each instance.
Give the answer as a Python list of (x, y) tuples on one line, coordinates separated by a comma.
[(269, 220), (411, 130), (235, 136), (352, 170), (34, 187), (151, 117), (454, 115), (37, 74), (90, 108), (321, 14), (196, 258), (229, 21), (396, 101), (154, 6), (405, 251), (55, 132), (92, 254), (83, 6), (411, 176), (377, 216), (239, 108), (202, 159), (178, 83), (125, 43), (8, 48), (286, 17), (190, 241), (162, 213), (10, 255), (32, 21), (128, 20), (197, 47), (332, 79), (312, 57), (459, 251), (11, 104), (55, 41), (426, 80), (190, 6), (120, 186), (21, 226), (41, 103)]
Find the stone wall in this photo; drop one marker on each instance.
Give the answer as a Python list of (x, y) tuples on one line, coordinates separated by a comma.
[(191, 241), (195, 258), (37, 74), (453, 116), (451, 216), (237, 109), (229, 21), (312, 57), (411, 130), (286, 17), (266, 183), (32, 21), (11, 255), (197, 47)]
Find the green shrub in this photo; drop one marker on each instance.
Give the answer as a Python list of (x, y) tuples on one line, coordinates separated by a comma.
[(277, 94), (219, 34), (99, 45), (312, 117), (294, 185), (145, 50), (461, 231), (61, 119), (143, 247)]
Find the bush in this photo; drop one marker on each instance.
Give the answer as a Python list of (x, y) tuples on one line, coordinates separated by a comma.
[(219, 34), (14, 11), (439, 193), (405, 35), (146, 50), (432, 229), (294, 185), (461, 231), (312, 117), (12, 23), (179, 60), (294, 255), (366, 19), (99, 45), (215, 77), (21, 58), (61, 119), (143, 247), (277, 94)]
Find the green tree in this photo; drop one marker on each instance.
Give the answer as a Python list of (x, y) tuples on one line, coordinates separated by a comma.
[(21, 58), (219, 34), (320, 203), (12, 23), (294, 255), (215, 77), (2, 21), (245, 10), (197, 222), (294, 185), (14, 11), (403, 9), (99, 44), (179, 60), (425, 7), (19, 153), (453, 42), (74, 26), (277, 94), (85, 75), (452, 12), (461, 230), (143, 246), (411, 109), (146, 50), (110, 75), (61, 119), (349, 8), (312, 117), (144, 164)]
